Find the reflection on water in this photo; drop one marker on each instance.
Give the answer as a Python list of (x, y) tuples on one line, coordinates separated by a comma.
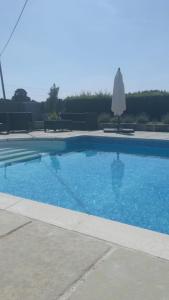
[(90, 153), (55, 166), (5, 172), (117, 171), (55, 163)]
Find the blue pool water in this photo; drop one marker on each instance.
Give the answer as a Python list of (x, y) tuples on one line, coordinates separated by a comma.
[(125, 180)]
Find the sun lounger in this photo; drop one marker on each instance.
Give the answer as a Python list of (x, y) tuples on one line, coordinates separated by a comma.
[(3, 127), (57, 125), (121, 130)]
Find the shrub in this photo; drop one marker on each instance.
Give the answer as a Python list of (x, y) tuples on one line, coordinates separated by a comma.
[(113, 120), (142, 118), (53, 116), (165, 119), (128, 119), (103, 118)]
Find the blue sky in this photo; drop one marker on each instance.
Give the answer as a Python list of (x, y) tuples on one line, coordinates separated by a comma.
[(79, 44)]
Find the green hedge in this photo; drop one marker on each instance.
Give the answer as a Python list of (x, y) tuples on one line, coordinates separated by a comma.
[(88, 103), (155, 105)]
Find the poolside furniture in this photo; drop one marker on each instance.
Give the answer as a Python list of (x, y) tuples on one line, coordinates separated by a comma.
[(3, 127), (57, 125), (4, 123), (20, 121), (16, 121), (81, 121), (120, 130)]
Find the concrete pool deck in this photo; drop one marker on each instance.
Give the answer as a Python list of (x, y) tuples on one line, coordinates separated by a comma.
[(68, 134), (47, 252), (43, 261)]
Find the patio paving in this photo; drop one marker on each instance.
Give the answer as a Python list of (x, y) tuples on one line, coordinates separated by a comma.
[(39, 261), (126, 275), (54, 135)]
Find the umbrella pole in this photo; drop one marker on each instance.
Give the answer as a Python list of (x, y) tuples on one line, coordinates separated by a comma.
[(118, 123)]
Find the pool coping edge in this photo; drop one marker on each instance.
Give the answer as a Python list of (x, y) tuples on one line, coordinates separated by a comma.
[(136, 238)]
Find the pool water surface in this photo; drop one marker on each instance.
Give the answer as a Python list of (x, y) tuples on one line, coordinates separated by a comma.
[(125, 181)]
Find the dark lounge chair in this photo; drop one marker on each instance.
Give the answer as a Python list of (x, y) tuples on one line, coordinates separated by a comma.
[(120, 130), (57, 125), (16, 121), (3, 127)]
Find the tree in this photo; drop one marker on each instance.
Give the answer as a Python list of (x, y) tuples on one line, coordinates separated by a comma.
[(53, 103), (20, 95), (54, 91)]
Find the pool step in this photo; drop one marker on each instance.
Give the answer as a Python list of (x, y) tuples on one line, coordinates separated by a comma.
[(4, 149), (7, 156), (10, 151), (20, 159)]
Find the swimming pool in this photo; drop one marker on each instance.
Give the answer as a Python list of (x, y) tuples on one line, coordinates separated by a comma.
[(118, 179)]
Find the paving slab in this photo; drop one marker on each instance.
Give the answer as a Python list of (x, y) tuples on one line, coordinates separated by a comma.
[(40, 261), (10, 222), (126, 275)]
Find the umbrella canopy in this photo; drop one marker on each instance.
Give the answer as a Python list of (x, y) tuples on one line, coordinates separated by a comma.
[(119, 99)]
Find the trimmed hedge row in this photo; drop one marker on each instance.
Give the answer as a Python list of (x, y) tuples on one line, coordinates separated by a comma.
[(155, 106), (81, 104)]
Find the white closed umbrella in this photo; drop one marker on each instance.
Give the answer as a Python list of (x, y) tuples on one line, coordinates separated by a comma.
[(118, 105)]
